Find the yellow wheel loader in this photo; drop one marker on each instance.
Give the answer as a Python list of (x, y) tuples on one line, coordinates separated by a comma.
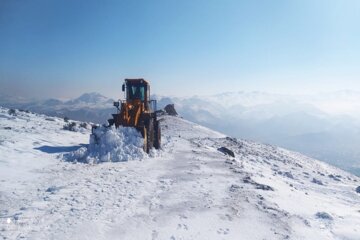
[(139, 112)]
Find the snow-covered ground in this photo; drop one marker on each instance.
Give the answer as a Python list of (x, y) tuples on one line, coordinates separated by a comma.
[(188, 190)]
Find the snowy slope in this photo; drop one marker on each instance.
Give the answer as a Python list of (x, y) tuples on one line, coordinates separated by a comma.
[(189, 190), (314, 125)]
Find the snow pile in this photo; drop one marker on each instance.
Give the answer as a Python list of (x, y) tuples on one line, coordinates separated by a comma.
[(110, 144)]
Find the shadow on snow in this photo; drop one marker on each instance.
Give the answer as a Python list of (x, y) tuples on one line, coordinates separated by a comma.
[(59, 149)]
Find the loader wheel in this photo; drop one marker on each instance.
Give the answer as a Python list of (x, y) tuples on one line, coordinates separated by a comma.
[(145, 135), (157, 135), (150, 132)]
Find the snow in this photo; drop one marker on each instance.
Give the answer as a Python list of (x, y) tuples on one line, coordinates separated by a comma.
[(108, 144), (189, 190)]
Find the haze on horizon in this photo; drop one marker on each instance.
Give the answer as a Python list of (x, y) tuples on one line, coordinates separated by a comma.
[(62, 49)]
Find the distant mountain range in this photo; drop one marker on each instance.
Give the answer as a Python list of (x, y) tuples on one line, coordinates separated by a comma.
[(325, 126), (91, 107)]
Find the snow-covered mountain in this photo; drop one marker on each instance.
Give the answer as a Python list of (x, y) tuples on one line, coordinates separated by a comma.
[(92, 100), (188, 190), (88, 107)]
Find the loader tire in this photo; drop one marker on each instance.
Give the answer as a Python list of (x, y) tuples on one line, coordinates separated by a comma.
[(157, 135), (145, 136), (150, 132)]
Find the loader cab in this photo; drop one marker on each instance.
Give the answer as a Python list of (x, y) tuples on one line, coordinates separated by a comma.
[(136, 89)]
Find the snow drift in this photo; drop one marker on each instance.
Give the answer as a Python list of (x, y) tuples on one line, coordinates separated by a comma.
[(110, 144)]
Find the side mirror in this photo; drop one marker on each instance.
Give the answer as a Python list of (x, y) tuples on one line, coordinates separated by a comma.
[(123, 87)]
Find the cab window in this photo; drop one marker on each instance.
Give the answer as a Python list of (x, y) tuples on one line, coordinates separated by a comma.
[(137, 92)]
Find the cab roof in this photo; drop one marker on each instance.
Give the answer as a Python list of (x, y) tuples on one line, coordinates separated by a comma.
[(136, 80)]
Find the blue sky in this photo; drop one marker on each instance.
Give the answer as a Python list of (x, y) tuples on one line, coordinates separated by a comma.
[(65, 48)]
